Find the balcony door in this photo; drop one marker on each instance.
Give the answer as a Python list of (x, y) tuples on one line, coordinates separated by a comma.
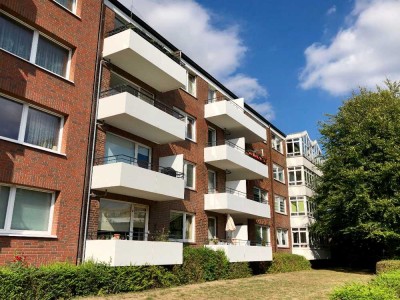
[(212, 182), (122, 220), (121, 84)]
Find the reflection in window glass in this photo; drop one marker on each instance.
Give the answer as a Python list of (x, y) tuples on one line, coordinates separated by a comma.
[(10, 118)]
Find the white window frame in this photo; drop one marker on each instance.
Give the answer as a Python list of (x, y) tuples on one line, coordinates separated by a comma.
[(184, 239), (35, 41), (186, 117), (73, 10), (278, 201), (300, 230), (260, 191), (7, 231), (215, 227), (185, 164), (268, 237), (276, 143), (296, 181), (215, 182), (131, 221), (137, 144), (277, 170), (194, 92), (213, 91), (214, 136), (279, 240), (23, 124)]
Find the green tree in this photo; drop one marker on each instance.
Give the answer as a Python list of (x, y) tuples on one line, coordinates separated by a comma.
[(358, 197)]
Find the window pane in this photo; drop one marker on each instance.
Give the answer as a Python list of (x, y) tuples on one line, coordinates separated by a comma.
[(294, 207), (258, 234), (176, 225), (4, 193), (190, 128), (139, 223), (189, 175), (211, 228), (51, 56), (143, 157), (31, 210), (15, 38), (10, 118), (211, 182), (66, 3), (42, 129), (119, 149), (189, 227), (114, 217), (301, 206)]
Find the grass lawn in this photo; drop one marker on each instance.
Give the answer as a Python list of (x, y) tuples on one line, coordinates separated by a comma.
[(314, 284)]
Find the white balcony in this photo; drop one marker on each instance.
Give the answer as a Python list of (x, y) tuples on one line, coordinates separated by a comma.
[(240, 253), (132, 180), (312, 254), (229, 114), (233, 158), (126, 253), (137, 56), (228, 203), (132, 114)]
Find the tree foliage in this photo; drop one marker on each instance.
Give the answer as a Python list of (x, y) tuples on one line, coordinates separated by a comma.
[(358, 197)]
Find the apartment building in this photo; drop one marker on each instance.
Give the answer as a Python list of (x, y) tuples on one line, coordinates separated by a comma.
[(179, 158), (303, 159), (47, 69), (116, 146)]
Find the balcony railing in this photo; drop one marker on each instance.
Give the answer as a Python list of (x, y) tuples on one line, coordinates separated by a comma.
[(251, 153), (142, 96), (238, 242), (140, 163), (238, 193), (156, 44)]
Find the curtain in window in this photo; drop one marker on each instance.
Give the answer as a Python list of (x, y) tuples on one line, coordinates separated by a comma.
[(115, 216), (66, 3), (189, 229), (15, 38), (51, 56), (119, 149), (4, 193), (31, 210), (42, 129), (10, 118)]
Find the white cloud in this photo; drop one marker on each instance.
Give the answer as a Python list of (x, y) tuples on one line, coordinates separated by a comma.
[(189, 26), (363, 54), (331, 10)]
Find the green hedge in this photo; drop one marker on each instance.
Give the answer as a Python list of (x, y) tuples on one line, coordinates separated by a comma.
[(286, 262), (387, 265), (385, 286)]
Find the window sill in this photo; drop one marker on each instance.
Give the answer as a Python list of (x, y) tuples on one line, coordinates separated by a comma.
[(32, 146), (39, 67), (190, 189), (283, 247), (45, 236), (67, 10), (281, 213)]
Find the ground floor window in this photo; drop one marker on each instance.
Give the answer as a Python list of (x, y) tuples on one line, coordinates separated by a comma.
[(282, 238), (181, 226), (122, 220), (25, 211), (212, 228), (300, 237), (262, 235)]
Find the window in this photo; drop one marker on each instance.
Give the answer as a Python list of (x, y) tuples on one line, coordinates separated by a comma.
[(181, 226), (119, 149), (189, 171), (299, 237), (282, 237), (119, 22), (293, 147), (280, 204), (190, 125), (309, 178), (212, 95), (25, 124), (212, 182), (276, 143), (260, 195), (297, 206), (128, 221), (278, 173), (68, 4), (295, 176), (212, 228), (31, 45), (262, 235), (121, 84), (212, 137), (25, 211), (191, 87)]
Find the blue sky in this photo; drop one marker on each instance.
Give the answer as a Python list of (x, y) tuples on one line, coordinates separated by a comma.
[(292, 60)]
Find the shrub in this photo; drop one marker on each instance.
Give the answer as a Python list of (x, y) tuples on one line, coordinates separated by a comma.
[(357, 291), (239, 270), (201, 264), (286, 262), (389, 280), (387, 265)]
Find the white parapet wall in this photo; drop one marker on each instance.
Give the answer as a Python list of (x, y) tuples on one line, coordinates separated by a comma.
[(139, 253), (312, 254), (239, 253)]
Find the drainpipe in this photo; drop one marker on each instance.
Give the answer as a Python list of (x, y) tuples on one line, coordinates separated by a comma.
[(91, 144)]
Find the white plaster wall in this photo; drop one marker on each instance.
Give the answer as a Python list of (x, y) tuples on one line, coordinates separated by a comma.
[(244, 253)]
